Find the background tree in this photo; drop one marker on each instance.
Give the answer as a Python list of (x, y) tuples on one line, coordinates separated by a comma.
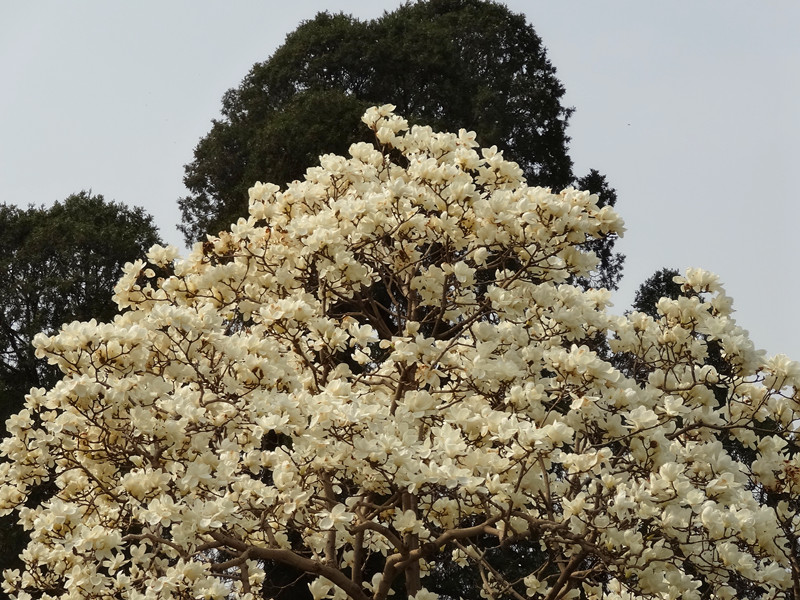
[(57, 265), (448, 63), (258, 403), (660, 284)]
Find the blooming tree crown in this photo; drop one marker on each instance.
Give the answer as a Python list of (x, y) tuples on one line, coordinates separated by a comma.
[(385, 368)]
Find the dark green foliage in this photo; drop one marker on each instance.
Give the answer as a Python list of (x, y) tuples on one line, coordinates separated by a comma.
[(449, 64), (610, 271), (659, 285), (57, 265)]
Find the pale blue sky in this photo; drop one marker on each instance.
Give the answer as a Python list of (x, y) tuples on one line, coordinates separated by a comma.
[(689, 107)]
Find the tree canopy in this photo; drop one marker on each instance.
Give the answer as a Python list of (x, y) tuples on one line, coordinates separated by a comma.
[(385, 367), (660, 284), (57, 265), (447, 63)]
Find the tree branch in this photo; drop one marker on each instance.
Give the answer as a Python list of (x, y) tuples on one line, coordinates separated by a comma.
[(292, 559)]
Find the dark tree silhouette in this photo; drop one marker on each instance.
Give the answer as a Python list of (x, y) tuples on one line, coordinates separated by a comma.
[(659, 285), (448, 63)]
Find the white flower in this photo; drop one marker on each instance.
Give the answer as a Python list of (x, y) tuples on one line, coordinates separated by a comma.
[(642, 418), (337, 517), (161, 256), (320, 588)]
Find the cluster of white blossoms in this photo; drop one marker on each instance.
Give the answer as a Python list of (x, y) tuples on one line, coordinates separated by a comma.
[(385, 368)]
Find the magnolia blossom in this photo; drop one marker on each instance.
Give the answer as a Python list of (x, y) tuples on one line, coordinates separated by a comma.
[(386, 370)]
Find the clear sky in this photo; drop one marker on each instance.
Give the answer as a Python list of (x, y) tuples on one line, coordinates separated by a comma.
[(689, 107)]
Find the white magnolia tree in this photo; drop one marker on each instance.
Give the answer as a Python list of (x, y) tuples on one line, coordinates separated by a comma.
[(386, 369)]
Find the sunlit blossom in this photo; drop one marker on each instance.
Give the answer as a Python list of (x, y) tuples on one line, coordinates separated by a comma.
[(386, 368)]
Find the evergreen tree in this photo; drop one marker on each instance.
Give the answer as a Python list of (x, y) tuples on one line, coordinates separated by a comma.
[(451, 64)]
